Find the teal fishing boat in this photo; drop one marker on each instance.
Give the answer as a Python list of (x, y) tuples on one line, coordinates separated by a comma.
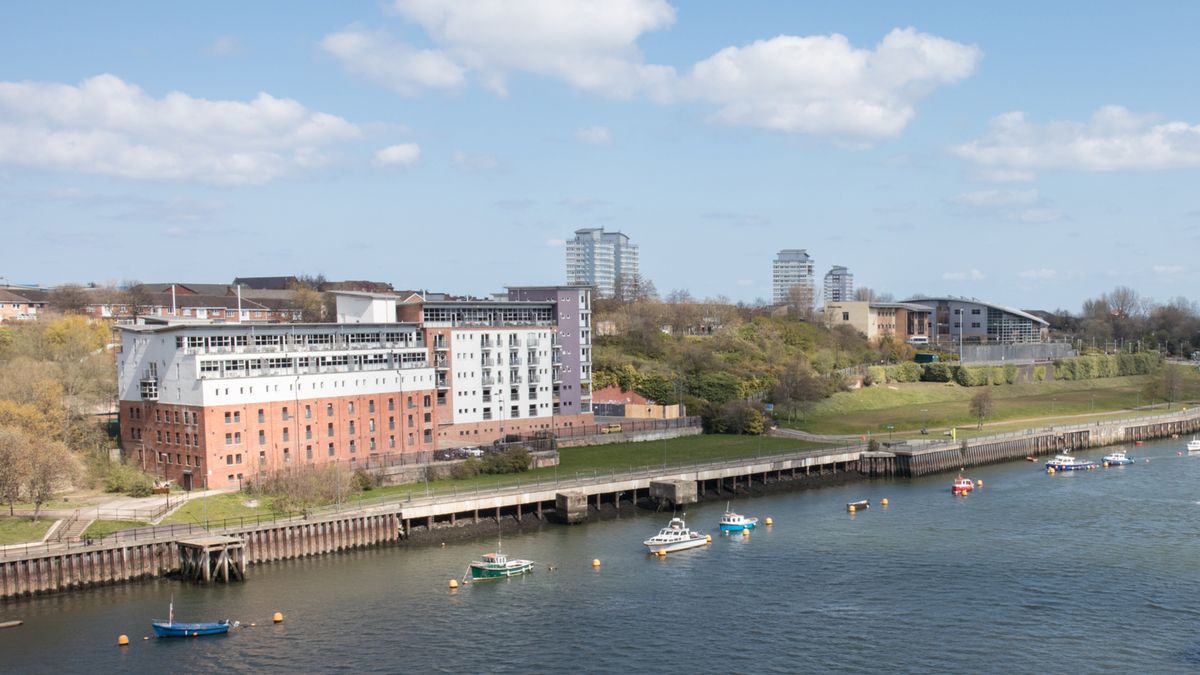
[(498, 566)]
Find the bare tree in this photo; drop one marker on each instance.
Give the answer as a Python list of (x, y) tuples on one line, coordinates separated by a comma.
[(981, 405), (50, 465), (801, 299), (137, 299), (69, 299), (14, 465)]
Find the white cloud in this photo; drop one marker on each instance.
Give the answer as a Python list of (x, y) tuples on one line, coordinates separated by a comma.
[(972, 275), (594, 135), (404, 154), (996, 198), (818, 84), (1039, 215), (822, 84), (387, 62), (1114, 139), (1169, 270), (591, 45), (226, 45), (468, 162), (1042, 274), (107, 126)]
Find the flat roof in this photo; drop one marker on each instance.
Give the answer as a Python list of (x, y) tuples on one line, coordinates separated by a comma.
[(177, 324)]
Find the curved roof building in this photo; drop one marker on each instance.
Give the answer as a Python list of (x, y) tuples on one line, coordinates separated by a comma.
[(970, 320)]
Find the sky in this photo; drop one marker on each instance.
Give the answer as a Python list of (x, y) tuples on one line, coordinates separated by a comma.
[(1032, 154)]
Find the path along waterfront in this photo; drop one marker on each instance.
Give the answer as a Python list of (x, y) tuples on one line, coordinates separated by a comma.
[(1031, 573)]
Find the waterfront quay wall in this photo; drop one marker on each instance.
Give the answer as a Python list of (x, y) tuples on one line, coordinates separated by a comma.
[(935, 457)]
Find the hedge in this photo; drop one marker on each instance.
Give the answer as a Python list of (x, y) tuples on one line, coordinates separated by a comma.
[(904, 372), (1111, 365)]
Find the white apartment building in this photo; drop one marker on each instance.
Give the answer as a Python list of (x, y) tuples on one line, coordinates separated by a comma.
[(603, 260), (792, 267)]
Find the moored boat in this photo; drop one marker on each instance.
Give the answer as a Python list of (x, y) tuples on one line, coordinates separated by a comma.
[(962, 485), (734, 522), (1117, 458), (675, 537), (1193, 446), (173, 628), (858, 505), (1066, 462), (498, 566)]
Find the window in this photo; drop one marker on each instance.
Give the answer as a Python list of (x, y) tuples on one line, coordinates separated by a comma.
[(287, 456), (845, 316), (286, 416), (411, 442), (410, 402), (229, 460), (351, 427), (331, 449), (428, 436), (353, 446), (371, 406), (391, 423), (228, 417), (262, 457), (308, 452), (329, 410), (975, 311), (372, 442), (329, 430), (391, 404), (426, 400), (308, 412), (974, 324), (428, 417), (228, 439), (391, 441), (533, 410), (261, 416), (350, 407), (285, 435), (308, 432), (262, 437), (371, 425)]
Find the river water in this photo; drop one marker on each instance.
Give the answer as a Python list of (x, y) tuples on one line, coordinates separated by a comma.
[(1083, 572)]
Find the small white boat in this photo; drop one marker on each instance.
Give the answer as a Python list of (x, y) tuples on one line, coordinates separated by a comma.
[(1066, 462), (675, 537), (1117, 458), (1193, 446), (734, 522)]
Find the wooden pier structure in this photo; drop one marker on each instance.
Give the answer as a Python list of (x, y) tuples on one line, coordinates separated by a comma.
[(212, 558)]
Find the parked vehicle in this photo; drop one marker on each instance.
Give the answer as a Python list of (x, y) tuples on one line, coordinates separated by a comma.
[(610, 429)]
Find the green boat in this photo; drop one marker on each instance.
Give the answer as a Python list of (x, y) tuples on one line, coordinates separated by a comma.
[(498, 566)]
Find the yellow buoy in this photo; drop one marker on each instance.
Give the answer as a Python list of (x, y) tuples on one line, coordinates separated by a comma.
[(278, 617), (145, 637), (708, 538), (1050, 470), (122, 640), (745, 532), (979, 482), (253, 625), (661, 554), (883, 502), (1106, 465), (595, 562), (768, 522), (851, 508), (453, 583)]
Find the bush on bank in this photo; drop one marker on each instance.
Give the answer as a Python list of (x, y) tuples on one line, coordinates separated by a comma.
[(1076, 368)]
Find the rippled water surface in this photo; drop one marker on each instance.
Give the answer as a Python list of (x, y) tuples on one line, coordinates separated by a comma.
[(1092, 571)]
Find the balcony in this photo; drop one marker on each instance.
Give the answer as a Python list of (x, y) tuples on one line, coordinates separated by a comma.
[(514, 359), (149, 388), (488, 380), (488, 362), (487, 344), (534, 378), (441, 364), (557, 376), (443, 382)]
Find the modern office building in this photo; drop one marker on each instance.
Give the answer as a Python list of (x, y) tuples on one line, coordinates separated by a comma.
[(972, 321), (792, 267), (603, 260), (211, 404), (839, 285)]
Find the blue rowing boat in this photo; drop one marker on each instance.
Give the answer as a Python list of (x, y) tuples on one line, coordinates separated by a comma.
[(173, 628)]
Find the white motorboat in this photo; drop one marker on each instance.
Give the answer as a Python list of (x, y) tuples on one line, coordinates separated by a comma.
[(675, 537), (1193, 446), (1117, 458), (1066, 462), (735, 522)]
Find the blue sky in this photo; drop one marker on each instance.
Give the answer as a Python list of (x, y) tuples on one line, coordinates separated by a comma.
[(1033, 154)]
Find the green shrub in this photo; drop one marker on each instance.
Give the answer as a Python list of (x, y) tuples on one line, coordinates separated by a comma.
[(1010, 374), (466, 469), (997, 374), (141, 490), (1039, 373), (904, 372), (365, 480), (971, 376), (877, 375), (937, 372)]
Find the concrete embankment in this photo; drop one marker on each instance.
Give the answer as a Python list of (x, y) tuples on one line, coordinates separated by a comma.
[(437, 517)]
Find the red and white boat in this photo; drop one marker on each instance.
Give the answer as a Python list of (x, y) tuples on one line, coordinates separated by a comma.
[(962, 486)]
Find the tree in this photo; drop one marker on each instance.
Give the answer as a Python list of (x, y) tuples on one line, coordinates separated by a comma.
[(982, 405), (1167, 386), (800, 301), (14, 465), (797, 388), (50, 465), (870, 295), (137, 299), (69, 299), (311, 304)]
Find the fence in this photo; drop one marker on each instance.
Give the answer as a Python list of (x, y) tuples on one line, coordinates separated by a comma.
[(625, 427)]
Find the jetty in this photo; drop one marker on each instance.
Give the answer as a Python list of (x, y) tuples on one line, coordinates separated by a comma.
[(228, 553)]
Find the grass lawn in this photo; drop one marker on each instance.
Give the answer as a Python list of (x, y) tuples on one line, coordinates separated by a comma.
[(102, 528), (619, 457), (217, 508), (20, 530), (909, 406)]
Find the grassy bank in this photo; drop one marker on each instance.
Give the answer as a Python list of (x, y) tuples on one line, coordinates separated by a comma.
[(102, 528), (20, 529), (909, 406), (218, 508)]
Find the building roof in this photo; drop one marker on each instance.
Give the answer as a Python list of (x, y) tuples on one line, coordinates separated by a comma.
[(156, 324), (977, 301), (267, 283), (8, 295), (910, 306), (198, 289)]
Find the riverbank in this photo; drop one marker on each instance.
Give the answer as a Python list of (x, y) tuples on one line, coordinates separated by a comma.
[(570, 500)]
